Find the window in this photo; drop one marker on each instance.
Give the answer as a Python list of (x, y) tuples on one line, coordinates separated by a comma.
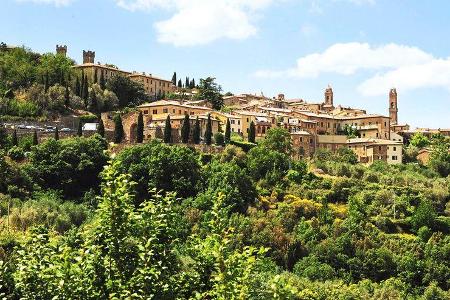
[(239, 122), (165, 110), (179, 112), (232, 122), (145, 112), (394, 157), (173, 110), (321, 124), (155, 111), (264, 130), (379, 148), (310, 141), (395, 148), (301, 139), (385, 124), (247, 120)]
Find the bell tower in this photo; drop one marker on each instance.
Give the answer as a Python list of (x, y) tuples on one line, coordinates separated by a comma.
[(329, 96), (393, 109)]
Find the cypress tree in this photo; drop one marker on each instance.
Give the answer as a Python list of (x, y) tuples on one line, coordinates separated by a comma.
[(102, 81), (78, 87), (180, 85), (251, 132), (159, 133), (185, 129), (193, 83), (101, 128), (187, 84), (94, 102), (174, 78), (80, 128), (56, 133), (118, 129), (208, 131), (67, 97), (196, 132), (81, 85), (95, 77), (85, 90), (14, 139), (227, 132), (168, 131), (35, 138), (140, 128)]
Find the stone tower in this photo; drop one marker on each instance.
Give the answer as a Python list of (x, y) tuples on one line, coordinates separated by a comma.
[(393, 109), (60, 49), (88, 57), (329, 96)]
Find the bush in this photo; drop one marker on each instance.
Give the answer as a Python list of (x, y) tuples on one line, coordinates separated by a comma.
[(16, 153)]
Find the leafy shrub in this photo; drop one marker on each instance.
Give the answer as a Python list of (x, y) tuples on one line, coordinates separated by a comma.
[(16, 153)]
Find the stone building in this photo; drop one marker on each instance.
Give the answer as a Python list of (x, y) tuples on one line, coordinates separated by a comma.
[(370, 150), (154, 86)]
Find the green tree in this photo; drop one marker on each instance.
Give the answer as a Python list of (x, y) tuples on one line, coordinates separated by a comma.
[(228, 132), (185, 129), (102, 80), (94, 103), (424, 215), (46, 82), (56, 136), (251, 132), (78, 87), (140, 128), (80, 128), (35, 138), (419, 140), (174, 78), (196, 132), (130, 93), (219, 139), (101, 128), (67, 97), (118, 129), (208, 131), (278, 139), (209, 90), (180, 85), (187, 82), (168, 131), (14, 139)]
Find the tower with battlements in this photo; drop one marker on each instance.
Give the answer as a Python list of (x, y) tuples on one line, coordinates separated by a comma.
[(88, 57), (393, 109), (61, 50)]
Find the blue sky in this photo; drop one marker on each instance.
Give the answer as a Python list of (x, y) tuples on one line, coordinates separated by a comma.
[(296, 47)]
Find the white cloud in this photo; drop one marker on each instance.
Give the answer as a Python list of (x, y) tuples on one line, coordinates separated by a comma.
[(197, 22), (404, 67), (54, 2)]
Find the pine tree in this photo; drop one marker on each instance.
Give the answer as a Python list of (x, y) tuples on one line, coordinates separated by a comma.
[(118, 129), (56, 133), (94, 102), (80, 128), (208, 131), (102, 80), (35, 138), (168, 131), (140, 128), (78, 87), (227, 132), (251, 132), (14, 139), (187, 84), (196, 132), (67, 97), (180, 85), (174, 78), (101, 128), (185, 129)]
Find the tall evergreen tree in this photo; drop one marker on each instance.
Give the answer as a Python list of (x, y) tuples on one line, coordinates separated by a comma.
[(208, 131), (56, 133), (168, 131), (85, 90), (14, 139), (228, 132), (80, 128), (118, 129), (196, 132), (187, 83), (140, 128), (67, 97), (185, 129), (102, 80), (174, 78), (101, 128), (95, 77), (251, 132), (180, 85), (35, 138), (193, 83), (94, 103), (78, 87)]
